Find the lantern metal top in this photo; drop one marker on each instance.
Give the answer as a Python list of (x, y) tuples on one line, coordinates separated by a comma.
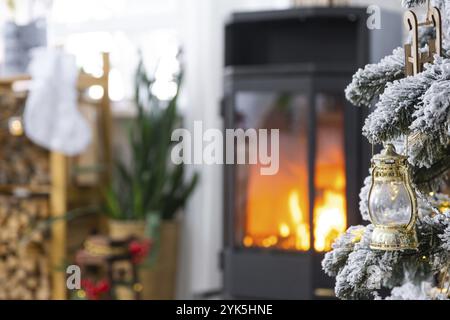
[(389, 156)]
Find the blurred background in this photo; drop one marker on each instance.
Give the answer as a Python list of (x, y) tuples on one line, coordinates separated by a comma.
[(203, 231)]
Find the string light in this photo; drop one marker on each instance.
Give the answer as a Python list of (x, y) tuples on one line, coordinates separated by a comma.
[(15, 126)]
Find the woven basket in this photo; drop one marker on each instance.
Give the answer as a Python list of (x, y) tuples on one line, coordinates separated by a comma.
[(124, 229), (160, 280)]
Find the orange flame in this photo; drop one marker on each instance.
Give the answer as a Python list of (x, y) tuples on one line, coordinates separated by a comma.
[(300, 222), (329, 220)]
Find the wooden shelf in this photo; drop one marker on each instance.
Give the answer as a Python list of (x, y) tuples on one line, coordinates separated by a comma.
[(84, 80), (25, 190), (10, 79)]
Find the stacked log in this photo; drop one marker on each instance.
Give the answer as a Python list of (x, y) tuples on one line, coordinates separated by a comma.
[(24, 265), (23, 163)]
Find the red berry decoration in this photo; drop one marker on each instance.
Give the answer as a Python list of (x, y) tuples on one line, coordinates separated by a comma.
[(94, 291), (139, 250)]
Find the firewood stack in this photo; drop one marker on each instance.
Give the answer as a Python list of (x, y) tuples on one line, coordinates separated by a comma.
[(22, 163), (24, 254), (24, 266)]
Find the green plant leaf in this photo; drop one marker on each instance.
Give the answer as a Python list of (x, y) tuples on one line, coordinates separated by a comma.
[(112, 203)]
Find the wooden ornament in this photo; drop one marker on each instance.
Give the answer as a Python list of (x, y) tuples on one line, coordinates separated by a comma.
[(414, 58)]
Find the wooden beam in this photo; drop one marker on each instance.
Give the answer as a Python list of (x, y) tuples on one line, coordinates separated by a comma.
[(106, 121), (58, 208)]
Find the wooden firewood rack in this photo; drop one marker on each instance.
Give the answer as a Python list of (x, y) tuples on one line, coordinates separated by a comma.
[(63, 194)]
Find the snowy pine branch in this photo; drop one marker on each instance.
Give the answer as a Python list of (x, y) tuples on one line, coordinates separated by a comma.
[(417, 107), (412, 3), (369, 82), (361, 272), (393, 114), (396, 110), (432, 125), (363, 198)]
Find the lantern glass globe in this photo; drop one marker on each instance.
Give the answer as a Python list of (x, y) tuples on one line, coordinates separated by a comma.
[(390, 204)]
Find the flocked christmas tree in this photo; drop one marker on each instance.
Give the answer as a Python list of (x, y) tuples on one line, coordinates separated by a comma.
[(416, 109)]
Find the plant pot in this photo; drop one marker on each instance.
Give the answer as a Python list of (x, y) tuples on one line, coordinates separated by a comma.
[(159, 280), (124, 229), (121, 230)]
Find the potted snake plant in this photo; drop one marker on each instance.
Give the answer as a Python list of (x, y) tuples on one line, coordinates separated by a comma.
[(147, 193)]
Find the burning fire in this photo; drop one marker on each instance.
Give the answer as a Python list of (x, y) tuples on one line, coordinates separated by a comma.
[(300, 222), (329, 220), (293, 229), (277, 207)]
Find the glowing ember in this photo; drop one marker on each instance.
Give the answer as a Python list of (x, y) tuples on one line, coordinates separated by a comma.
[(248, 241), (284, 230), (269, 241)]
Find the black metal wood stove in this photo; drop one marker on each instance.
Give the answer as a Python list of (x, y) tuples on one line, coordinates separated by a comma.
[(288, 70)]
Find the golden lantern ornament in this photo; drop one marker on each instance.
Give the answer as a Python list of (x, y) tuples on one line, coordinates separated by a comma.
[(392, 202)]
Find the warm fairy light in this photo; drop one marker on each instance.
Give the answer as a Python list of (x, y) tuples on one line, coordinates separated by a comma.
[(357, 234), (81, 294), (329, 220), (95, 92), (444, 206), (138, 287), (15, 126)]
